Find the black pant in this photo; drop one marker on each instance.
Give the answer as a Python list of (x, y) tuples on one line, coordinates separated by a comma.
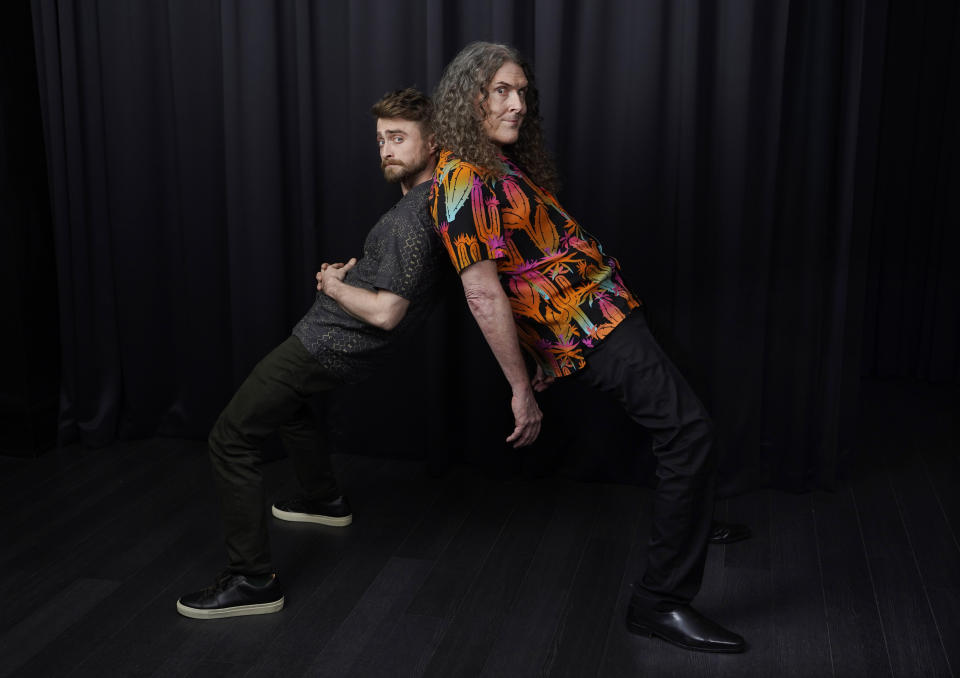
[(273, 397), (631, 366)]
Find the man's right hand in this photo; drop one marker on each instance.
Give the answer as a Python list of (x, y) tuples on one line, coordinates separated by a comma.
[(491, 309), (527, 417)]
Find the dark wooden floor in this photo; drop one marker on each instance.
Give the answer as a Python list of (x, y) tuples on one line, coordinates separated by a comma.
[(469, 575)]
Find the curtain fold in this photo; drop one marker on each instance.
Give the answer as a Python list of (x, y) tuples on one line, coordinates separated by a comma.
[(29, 342), (206, 157), (912, 321)]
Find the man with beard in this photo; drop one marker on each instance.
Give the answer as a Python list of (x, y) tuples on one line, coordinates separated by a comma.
[(362, 307), (535, 280)]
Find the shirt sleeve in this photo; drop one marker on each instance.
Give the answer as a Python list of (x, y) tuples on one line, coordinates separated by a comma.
[(408, 257), (467, 216)]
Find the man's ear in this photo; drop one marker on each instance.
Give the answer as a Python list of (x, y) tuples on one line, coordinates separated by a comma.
[(432, 143)]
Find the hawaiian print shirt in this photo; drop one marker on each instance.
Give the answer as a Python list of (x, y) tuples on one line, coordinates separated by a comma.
[(566, 294)]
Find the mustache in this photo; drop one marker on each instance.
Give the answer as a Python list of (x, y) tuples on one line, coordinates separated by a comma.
[(387, 163)]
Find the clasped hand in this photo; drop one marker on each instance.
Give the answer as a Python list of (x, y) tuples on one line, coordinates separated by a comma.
[(333, 272)]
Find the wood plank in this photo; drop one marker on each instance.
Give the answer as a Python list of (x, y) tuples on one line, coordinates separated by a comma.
[(207, 669), (33, 634), (459, 563), (127, 536), (581, 639), (801, 641), (913, 639), (745, 604), (460, 490), (942, 468), (374, 615), (935, 549), (472, 632), (525, 639), (92, 505), (404, 645), (626, 654), (59, 479), (137, 623), (43, 473), (928, 530), (153, 633), (857, 648), (946, 610), (403, 650)]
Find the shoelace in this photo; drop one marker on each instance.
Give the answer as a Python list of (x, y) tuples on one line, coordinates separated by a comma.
[(220, 583)]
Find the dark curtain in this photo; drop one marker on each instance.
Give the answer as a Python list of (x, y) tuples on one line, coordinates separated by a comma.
[(29, 344), (206, 156), (912, 324)]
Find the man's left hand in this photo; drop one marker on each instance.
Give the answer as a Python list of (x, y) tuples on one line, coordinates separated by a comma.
[(333, 272), (541, 381)]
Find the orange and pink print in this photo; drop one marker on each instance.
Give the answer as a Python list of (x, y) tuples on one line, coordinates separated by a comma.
[(566, 294)]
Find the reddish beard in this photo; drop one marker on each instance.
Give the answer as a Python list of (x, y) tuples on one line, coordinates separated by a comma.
[(404, 172), (396, 175)]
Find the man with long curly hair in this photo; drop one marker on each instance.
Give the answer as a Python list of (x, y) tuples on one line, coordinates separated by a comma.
[(536, 281)]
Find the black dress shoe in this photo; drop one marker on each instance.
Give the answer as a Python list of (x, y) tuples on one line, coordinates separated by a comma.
[(334, 512), (233, 595), (728, 533), (682, 626)]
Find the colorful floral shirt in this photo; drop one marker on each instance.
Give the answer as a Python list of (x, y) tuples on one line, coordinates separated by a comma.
[(566, 294)]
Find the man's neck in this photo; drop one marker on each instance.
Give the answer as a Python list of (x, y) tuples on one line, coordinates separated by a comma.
[(426, 174)]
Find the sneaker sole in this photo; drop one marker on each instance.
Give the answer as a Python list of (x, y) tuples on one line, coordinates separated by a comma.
[(316, 519), (236, 611)]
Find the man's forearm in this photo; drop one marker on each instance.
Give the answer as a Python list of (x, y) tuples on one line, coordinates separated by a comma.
[(495, 319), (381, 309), (491, 309)]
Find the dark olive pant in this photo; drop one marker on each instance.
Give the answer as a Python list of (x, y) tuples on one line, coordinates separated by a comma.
[(631, 366), (273, 398)]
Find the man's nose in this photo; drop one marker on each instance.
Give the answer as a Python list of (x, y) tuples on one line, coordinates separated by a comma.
[(514, 102)]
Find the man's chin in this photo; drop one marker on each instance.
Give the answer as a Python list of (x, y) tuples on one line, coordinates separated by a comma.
[(393, 174)]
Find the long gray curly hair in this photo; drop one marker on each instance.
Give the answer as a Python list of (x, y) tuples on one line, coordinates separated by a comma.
[(458, 121)]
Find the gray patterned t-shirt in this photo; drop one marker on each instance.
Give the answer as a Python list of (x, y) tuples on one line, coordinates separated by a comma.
[(401, 254)]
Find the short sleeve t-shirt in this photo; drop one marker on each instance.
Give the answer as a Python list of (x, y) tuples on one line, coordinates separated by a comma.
[(401, 254), (566, 294)]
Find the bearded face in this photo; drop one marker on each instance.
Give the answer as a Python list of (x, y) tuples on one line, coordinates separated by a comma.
[(404, 152)]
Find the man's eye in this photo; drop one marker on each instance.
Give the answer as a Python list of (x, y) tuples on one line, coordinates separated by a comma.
[(398, 140), (500, 90), (380, 142)]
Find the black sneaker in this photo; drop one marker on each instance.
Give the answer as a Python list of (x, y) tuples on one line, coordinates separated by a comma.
[(335, 512), (232, 595)]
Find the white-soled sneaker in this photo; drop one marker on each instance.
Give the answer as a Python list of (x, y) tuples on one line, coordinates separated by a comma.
[(232, 595), (333, 512)]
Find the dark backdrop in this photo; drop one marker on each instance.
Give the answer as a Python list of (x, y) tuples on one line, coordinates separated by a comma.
[(29, 346), (777, 178)]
